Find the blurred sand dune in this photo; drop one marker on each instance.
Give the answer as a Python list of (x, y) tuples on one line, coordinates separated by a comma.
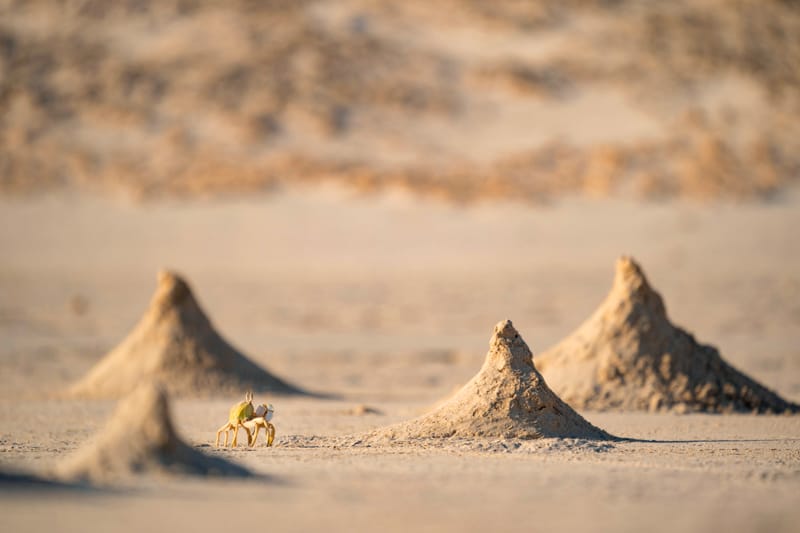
[(461, 100)]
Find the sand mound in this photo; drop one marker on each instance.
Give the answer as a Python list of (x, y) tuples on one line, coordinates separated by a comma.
[(176, 344), (508, 398), (140, 438), (629, 356)]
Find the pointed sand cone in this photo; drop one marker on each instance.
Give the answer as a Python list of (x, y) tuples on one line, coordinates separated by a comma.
[(176, 344), (629, 356), (140, 438), (508, 398)]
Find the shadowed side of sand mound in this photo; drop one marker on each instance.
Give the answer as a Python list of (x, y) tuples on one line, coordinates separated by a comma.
[(629, 356), (176, 344), (507, 398), (141, 439), (15, 481)]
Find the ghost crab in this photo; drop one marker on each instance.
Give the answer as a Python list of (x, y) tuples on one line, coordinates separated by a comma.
[(263, 415), (239, 414)]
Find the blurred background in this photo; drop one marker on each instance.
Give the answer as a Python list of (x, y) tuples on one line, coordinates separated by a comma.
[(458, 99)]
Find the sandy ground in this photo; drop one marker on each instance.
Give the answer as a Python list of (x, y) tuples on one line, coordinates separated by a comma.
[(390, 302)]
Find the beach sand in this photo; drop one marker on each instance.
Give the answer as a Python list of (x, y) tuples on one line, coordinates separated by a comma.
[(389, 302)]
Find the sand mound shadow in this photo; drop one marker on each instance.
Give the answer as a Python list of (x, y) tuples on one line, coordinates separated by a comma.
[(15, 481), (176, 344), (507, 398), (629, 356), (141, 438)]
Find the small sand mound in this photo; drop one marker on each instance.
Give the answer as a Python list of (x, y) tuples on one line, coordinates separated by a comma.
[(508, 398), (176, 344), (629, 356), (140, 438)]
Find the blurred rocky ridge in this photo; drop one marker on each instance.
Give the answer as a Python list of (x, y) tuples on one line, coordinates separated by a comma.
[(457, 99)]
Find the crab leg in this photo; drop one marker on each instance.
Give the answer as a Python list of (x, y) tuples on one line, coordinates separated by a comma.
[(235, 435), (219, 431)]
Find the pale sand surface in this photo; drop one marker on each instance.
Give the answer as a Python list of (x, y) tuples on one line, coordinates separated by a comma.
[(390, 302)]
